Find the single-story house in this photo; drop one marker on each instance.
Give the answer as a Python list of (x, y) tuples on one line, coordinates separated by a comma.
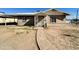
[(43, 18)]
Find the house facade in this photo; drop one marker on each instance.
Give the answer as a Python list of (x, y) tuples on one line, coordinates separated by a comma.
[(43, 18)]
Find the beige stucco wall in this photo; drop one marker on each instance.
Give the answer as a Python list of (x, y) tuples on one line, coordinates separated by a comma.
[(2, 20), (47, 19), (59, 19)]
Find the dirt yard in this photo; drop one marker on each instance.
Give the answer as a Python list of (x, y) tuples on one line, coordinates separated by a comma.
[(55, 37), (17, 38), (63, 37)]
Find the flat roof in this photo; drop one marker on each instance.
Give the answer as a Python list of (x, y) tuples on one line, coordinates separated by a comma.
[(26, 13)]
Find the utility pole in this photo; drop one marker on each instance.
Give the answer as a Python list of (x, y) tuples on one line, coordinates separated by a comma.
[(76, 19), (77, 16)]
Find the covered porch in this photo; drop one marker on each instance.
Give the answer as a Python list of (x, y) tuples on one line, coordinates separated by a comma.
[(37, 19), (23, 19)]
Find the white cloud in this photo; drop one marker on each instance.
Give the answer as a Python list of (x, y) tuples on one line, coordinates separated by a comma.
[(39, 3)]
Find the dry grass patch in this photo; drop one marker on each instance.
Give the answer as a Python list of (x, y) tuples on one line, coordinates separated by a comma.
[(17, 38)]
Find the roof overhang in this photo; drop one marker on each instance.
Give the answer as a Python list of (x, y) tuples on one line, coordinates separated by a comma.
[(54, 10)]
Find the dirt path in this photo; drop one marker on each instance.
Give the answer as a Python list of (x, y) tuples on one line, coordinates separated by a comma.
[(53, 39), (47, 39), (43, 41)]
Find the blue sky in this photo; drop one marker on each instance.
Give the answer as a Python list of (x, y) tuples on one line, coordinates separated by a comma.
[(71, 11)]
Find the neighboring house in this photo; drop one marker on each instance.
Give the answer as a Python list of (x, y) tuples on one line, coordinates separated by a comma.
[(75, 21), (43, 18)]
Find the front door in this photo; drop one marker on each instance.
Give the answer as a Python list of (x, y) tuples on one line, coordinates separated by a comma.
[(53, 19)]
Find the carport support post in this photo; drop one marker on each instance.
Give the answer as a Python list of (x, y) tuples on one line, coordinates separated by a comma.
[(34, 20), (37, 19), (5, 21), (14, 19)]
